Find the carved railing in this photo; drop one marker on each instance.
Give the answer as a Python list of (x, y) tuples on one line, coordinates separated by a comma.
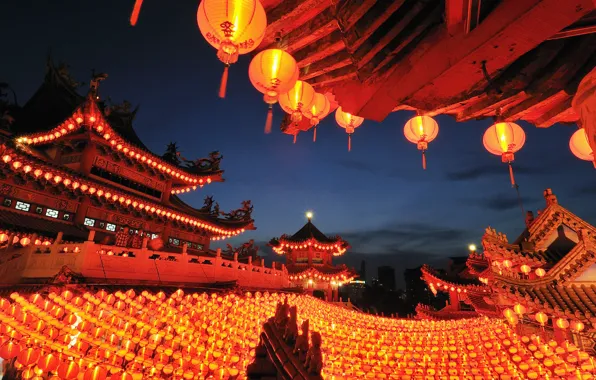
[(283, 352)]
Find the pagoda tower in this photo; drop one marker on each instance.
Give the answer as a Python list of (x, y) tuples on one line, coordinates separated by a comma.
[(309, 259)]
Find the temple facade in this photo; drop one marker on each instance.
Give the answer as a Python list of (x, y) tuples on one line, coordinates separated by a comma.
[(309, 260), (545, 280), (78, 188)]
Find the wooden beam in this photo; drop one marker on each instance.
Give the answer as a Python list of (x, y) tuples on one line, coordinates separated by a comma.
[(371, 21), (322, 48), (455, 15), (532, 104), (489, 105), (289, 15), (325, 65), (350, 11), (551, 116), (397, 24), (316, 28), (444, 66), (335, 76), (574, 32)]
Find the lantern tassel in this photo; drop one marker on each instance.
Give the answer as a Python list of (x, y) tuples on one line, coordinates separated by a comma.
[(424, 160), (295, 136), (314, 135), (224, 82), (511, 175), (134, 17), (350, 142), (269, 121)]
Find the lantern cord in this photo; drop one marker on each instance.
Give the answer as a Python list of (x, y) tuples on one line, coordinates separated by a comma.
[(224, 82), (349, 142), (511, 175), (519, 199), (314, 135), (134, 17), (424, 159), (269, 121), (295, 136)]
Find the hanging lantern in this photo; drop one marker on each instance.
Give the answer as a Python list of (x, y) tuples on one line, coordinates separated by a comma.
[(317, 111), (580, 147), (233, 27), (421, 130), (577, 326), (562, 323), (273, 72), (349, 122), (519, 309), (504, 139), (299, 98), (540, 272), (541, 318), (525, 269)]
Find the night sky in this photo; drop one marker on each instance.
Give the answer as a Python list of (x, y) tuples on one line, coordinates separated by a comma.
[(377, 196)]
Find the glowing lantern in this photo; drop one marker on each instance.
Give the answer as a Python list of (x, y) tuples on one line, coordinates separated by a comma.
[(319, 108), (508, 313), (349, 122), (421, 130), (540, 272), (541, 318), (273, 72), (525, 269), (25, 241), (299, 98), (562, 323), (3, 238), (577, 326), (580, 147), (9, 350), (504, 139), (519, 309), (507, 263), (68, 370), (233, 27)]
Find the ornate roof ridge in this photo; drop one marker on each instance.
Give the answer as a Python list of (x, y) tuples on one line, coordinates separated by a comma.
[(430, 274)]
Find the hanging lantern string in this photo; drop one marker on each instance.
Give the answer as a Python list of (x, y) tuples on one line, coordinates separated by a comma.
[(511, 174), (224, 81), (519, 200), (349, 142), (134, 17), (314, 135), (424, 159), (295, 136), (269, 121)]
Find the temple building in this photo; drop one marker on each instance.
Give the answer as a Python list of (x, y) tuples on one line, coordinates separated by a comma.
[(309, 254), (545, 279), (79, 189)]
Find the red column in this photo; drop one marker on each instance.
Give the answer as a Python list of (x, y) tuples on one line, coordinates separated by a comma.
[(88, 157)]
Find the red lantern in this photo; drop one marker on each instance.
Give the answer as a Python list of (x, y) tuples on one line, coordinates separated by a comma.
[(541, 318), (580, 147), (562, 323), (9, 350), (519, 309), (421, 130), (349, 122), (317, 111), (297, 99), (540, 272), (68, 370), (233, 27), (525, 269), (504, 139), (273, 72)]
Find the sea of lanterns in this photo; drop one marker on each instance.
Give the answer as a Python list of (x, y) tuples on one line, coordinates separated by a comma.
[(55, 176), (125, 335)]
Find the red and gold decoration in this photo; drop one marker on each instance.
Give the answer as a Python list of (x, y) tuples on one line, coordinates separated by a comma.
[(421, 130), (348, 122), (273, 72), (233, 27), (580, 147), (504, 139), (317, 111)]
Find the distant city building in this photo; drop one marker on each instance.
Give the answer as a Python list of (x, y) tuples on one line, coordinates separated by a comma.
[(386, 276), (354, 290)]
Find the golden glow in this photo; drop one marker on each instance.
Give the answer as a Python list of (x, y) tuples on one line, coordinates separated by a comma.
[(309, 215), (472, 247)]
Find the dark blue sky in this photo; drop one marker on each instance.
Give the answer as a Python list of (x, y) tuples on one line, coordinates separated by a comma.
[(376, 196)]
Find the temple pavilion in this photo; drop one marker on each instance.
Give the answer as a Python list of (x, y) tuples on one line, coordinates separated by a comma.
[(544, 279), (309, 254)]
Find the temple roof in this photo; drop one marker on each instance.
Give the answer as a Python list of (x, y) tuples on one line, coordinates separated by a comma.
[(309, 231), (430, 274), (307, 236)]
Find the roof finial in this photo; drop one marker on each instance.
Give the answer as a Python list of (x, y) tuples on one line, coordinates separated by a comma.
[(94, 84), (550, 197), (309, 215)]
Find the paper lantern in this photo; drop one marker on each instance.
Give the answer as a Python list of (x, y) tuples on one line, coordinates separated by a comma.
[(562, 323), (233, 27), (519, 309), (508, 313), (504, 139), (348, 122), (25, 241), (577, 326), (541, 318), (540, 272), (580, 147), (299, 98), (273, 72), (3, 238), (319, 108), (155, 244), (507, 263), (9, 350), (421, 130), (525, 269)]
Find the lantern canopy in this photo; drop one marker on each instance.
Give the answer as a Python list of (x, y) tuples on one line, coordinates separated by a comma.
[(317, 111), (580, 147), (348, 122), (273, 72), (295, 101), (233, 27), (421, 130), (504, 139)]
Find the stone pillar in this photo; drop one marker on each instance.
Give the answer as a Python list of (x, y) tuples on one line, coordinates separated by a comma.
[(218, 252), (584, 104), (58, 238), (235, 257), (145, 242)]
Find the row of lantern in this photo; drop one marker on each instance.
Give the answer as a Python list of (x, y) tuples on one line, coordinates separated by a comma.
[(23, 240), (310, 274), (513, 315), (524, 268), (99, 192)]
